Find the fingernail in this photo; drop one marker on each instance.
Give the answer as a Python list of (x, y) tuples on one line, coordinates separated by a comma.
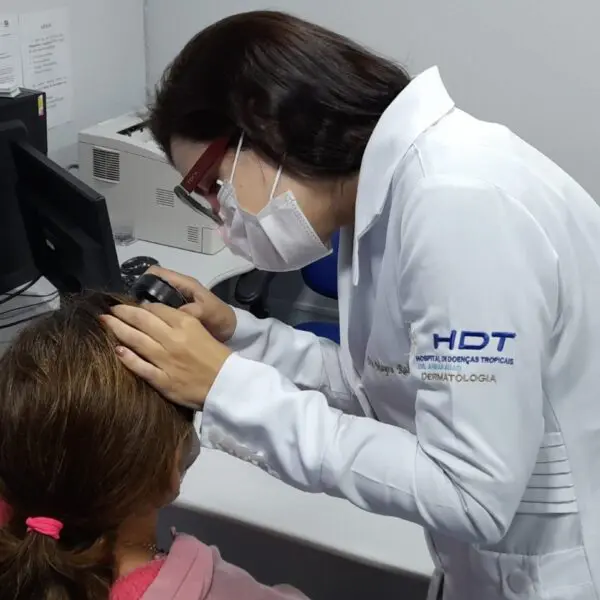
[(120, 350)]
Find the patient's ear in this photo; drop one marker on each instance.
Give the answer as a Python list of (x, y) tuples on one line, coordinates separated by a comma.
[(176, 474), (186, 454)]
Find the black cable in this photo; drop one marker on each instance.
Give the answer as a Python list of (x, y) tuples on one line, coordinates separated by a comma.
[(9, 297), (21, 292), (26, 307), (49, 312), (55, 292)]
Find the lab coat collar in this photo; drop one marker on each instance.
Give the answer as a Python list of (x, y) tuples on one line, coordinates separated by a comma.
[(421, 104)]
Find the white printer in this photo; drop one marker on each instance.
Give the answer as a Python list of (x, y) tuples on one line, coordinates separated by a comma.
[(120, 160)]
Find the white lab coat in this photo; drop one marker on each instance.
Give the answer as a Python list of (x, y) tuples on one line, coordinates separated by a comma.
[(469, 298)]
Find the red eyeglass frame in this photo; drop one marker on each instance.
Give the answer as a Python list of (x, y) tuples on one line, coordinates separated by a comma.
[(198, 181)]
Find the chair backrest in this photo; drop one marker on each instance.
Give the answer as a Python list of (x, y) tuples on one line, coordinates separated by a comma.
[(321, 276)]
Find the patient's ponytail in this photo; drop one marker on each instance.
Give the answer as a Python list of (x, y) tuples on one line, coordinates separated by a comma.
[(37, 566)]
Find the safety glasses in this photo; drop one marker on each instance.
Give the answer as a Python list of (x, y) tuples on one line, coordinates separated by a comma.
[(200, 186)]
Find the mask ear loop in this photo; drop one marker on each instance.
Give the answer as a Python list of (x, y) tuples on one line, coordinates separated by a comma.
[(237, 156), (276, 182)]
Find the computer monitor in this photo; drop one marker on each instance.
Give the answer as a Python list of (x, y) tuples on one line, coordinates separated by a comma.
[(17, 266), (67, 225)]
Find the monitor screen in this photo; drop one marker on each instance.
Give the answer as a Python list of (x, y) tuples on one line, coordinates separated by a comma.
[(67, 225), (17, 266)]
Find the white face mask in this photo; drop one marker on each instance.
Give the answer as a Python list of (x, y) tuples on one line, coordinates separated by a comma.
[(278, 238)]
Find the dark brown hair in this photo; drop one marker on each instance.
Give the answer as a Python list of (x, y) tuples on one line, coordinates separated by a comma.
[(302, 94), (82, 440)]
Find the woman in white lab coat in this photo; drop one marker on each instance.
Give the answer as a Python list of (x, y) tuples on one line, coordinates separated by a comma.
[(464, 396)]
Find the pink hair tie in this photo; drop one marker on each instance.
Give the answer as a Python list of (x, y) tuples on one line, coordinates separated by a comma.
[(44, 526)]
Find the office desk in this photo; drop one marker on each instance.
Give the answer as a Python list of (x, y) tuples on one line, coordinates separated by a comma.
[(16, 313), (209, 270), (224, 486)]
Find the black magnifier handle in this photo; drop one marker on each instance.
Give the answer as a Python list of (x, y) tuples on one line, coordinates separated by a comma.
[(150, 288)]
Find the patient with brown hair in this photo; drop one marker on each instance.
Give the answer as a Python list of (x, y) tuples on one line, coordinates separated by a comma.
[(89, 453)]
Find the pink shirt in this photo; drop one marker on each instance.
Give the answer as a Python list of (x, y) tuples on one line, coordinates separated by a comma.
[(135, 584), (191, 571)]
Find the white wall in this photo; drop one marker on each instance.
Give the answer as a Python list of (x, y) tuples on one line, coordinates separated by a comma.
[(108, 62), (533, 65)]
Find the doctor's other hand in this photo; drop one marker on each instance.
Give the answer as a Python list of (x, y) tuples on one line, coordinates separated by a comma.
[(217, 316), (169, 349)]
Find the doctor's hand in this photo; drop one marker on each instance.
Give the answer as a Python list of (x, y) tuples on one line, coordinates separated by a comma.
[(169, 349), (217, 316)]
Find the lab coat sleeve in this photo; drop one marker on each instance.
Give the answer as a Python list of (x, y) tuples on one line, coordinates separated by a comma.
[(474, 261), (308, 361)]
